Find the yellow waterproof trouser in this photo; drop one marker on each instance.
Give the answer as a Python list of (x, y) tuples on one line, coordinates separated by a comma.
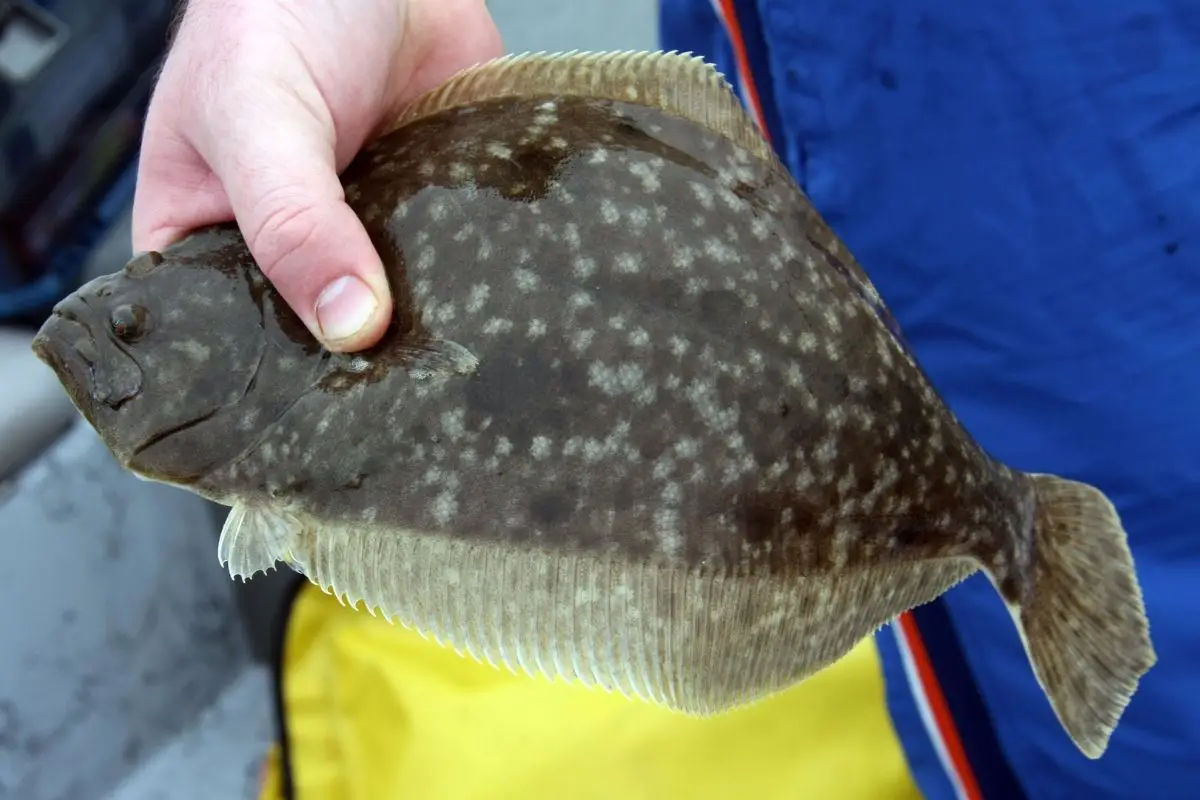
[(374, 711)]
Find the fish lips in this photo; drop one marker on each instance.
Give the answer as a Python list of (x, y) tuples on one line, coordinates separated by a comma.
[(68, 348), (91, 378)]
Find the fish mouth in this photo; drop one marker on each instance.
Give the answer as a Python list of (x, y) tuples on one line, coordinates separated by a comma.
[(67, 346)]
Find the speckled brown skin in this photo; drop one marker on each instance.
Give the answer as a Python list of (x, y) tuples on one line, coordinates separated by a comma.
[(620, 336), (681, 373)]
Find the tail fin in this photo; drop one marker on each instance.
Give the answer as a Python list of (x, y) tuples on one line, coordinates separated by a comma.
[(1084, 623)]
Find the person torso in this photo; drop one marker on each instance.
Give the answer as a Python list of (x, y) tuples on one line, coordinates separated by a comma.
[(1022, 183)]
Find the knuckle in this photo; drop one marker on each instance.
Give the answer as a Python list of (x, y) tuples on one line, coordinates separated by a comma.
[(285, 229)]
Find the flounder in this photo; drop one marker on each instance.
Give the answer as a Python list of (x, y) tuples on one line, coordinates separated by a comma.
[(640, 420)]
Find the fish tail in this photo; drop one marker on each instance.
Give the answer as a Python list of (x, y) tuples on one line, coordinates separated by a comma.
[(1084, 623)]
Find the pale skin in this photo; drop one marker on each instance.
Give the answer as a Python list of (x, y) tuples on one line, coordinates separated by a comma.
[(261, 103)]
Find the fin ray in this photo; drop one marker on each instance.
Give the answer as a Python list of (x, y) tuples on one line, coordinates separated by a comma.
[(1084, 627), (253, 539), (697, 642), (677, 83)]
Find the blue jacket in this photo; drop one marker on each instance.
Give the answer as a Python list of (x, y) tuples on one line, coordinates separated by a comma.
[(1022, 182)]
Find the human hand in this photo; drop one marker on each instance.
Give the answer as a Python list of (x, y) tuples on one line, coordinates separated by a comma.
[(259, 106)]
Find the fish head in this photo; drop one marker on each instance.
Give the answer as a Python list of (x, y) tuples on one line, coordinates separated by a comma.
[(161, 357)]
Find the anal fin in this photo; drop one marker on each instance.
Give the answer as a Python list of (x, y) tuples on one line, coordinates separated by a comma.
[(696, 641)]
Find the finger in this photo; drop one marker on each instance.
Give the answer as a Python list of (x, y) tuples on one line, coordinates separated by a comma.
[(283, 188), (443, 37), (176, 192)]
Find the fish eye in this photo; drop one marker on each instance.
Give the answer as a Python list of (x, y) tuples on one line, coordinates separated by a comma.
[(130, 322)]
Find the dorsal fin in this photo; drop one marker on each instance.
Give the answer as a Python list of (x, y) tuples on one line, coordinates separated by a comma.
[(680, 84)]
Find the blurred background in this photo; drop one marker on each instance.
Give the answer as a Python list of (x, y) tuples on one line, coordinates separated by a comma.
[(130, 665)]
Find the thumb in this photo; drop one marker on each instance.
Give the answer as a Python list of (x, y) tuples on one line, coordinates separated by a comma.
[(284, 190)]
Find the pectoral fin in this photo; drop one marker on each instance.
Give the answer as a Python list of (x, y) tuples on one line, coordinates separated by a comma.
[(254, 538)]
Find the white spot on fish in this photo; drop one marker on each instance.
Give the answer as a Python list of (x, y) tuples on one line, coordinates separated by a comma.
[(499, 150), (609, 212), (720, 252), (627, 263), (583, 267), (571, 235), (683, 257), (454, 424), (497, 325), (638, 217), (192, 350), (582, 339), (478, 296), (444, 508), (702, 194), (527, 280), (426, 259), (540, 448), (648, 176)]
